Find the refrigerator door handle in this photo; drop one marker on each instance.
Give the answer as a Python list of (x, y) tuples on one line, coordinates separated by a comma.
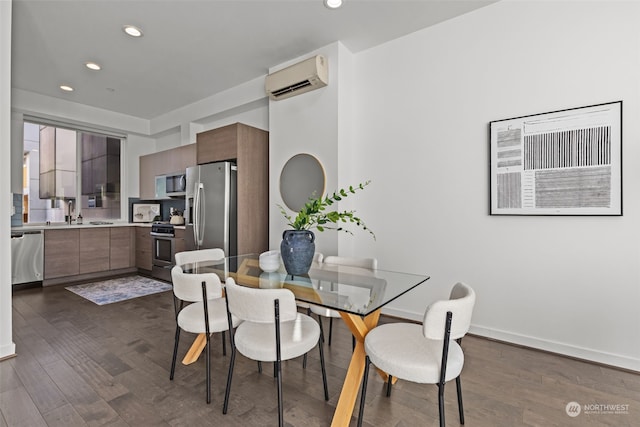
[(200, 216), (227, 207)]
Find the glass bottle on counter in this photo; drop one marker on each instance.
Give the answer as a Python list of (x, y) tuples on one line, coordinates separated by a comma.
[(79, 219)]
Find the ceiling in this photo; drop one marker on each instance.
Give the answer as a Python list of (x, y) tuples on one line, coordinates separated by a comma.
[(191, 49)]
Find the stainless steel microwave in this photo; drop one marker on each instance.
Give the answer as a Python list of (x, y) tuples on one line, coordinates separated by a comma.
[(175, 184)]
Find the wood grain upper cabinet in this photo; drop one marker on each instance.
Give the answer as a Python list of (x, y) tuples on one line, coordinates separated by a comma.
[(175, 160), (249, 147), (219, 144), (121, 248), (61, 253), (94, 250)]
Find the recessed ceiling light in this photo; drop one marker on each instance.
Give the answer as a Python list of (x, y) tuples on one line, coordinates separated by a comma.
[(66, 88), (132, 30), (333, 4), (92, 66)]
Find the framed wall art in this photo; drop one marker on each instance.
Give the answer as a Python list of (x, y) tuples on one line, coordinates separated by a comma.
[(566, 162)]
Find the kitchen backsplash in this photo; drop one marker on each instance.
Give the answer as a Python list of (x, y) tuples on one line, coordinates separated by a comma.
[(165, 206)]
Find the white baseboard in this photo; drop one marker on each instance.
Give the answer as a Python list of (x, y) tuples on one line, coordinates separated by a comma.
[(7, 351), (587, 354)]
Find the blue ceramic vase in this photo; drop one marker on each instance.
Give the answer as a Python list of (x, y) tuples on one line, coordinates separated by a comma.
[(297, 249)]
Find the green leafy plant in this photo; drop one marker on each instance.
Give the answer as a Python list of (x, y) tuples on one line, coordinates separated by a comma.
[(316, 213)]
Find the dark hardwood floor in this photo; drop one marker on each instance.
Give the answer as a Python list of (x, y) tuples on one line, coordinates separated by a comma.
[(83, 364)]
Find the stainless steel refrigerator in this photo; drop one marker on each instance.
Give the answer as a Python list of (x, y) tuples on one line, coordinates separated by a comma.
[(210, 214)]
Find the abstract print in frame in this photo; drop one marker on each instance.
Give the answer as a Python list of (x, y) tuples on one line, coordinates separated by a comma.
[(566, 162)]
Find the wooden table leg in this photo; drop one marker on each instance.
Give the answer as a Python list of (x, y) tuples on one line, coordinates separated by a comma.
[(196, 348), (359, 328)]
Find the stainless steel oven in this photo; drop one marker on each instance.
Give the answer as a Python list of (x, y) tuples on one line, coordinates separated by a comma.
[(163, 250)]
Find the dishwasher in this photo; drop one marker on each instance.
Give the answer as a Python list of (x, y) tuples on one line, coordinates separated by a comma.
[(26, 256)]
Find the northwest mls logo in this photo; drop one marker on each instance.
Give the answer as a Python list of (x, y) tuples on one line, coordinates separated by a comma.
[(573, 409)]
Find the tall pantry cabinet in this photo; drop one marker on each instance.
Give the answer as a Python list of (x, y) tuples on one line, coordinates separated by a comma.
[(249, 148)]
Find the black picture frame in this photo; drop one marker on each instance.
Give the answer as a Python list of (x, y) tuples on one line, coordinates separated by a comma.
[(564, 162)]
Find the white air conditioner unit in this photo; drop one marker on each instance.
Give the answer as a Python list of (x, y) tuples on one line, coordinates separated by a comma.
[(302, 77)]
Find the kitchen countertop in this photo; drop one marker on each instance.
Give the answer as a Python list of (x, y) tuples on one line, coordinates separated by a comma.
[(63, 226)]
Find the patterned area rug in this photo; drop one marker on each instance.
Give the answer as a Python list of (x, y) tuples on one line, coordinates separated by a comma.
[(120, 289)]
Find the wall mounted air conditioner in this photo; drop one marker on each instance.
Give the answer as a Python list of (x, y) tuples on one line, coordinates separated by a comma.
[(302, 77)]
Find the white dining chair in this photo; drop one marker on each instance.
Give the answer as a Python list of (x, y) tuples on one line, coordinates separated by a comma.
[(188, 257), (427, 353), (206, 312), (332, 260), (272, 330)]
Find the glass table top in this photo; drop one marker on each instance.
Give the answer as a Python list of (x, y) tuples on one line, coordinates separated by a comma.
[(353, 290)]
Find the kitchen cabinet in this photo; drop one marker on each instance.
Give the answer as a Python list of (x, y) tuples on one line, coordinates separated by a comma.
[(121, 248), (249, 148), (143, 248), (61, 253), (178, 241), (87, 253), (94, 250), (175, 160)]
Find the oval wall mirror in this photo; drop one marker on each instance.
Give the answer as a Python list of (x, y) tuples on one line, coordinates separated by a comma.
[(301, 177)]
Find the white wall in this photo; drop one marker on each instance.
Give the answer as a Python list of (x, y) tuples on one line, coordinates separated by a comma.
[(307, 123), (7, 347), (566, 284)]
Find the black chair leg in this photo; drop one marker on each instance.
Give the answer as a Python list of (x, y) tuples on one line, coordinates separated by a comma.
[(208, 365), (441, 403), (460, 408), (389, 382), (259, 367), (363, 393), (175, 352), (330, 329), (280, 409), (304, 361), (229, 376), (321, 328), (324, 372), (224, 343)]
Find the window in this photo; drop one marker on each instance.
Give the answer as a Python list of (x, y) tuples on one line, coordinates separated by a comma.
[(70, 171)]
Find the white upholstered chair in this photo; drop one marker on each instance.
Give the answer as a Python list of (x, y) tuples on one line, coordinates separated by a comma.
[(187, 257), (368, 263), (206, 312), (427, 353), (272, 330)]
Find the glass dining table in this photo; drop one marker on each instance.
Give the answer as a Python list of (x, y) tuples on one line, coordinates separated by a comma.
[(358, 294)]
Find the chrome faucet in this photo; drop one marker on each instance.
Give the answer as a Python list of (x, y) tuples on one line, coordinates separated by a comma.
[(69, 217)]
